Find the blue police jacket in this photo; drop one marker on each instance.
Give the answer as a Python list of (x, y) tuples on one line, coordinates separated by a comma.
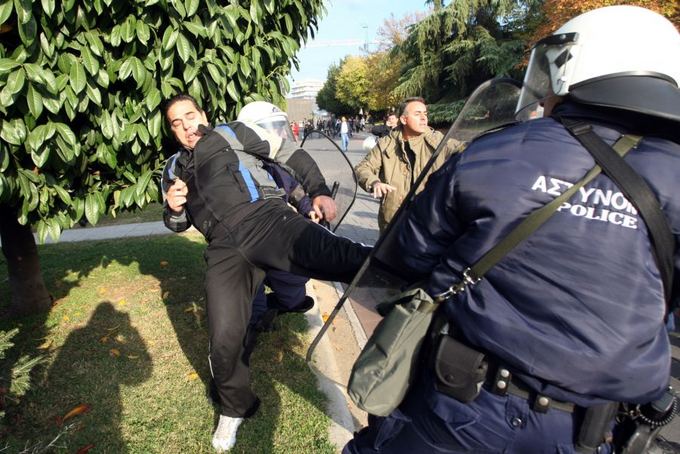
[(577, 309)]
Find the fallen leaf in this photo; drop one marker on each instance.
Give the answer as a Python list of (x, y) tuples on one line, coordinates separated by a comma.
[(65, 318), (104, 339), (113, 329), (77, 410), (192, 376), (324, 317), (85, 449), (133, 356), (120, 339), (101, 290), (279, 356), (45, 345), (114, 352), (164, 263), (122, 303)]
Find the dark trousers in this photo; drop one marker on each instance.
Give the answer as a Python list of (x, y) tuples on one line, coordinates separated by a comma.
[(275, 237), (289, 290), (431, 422)]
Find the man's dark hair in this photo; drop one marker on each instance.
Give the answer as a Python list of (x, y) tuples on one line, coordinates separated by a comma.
[(404, 104), (177, 98)]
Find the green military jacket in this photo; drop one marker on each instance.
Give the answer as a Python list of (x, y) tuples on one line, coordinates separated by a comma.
[(387, 162)]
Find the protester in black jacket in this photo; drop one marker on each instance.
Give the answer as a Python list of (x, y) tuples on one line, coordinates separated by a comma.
[(216, 183)]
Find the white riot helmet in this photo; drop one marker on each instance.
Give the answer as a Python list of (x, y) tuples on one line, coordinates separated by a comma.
[(267, 116), (624, 57)]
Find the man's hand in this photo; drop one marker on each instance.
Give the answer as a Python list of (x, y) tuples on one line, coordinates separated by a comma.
[(381, 189), (324, 207), (177, 196)]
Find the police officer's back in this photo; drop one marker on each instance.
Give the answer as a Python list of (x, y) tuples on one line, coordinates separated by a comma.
[(574, 314)]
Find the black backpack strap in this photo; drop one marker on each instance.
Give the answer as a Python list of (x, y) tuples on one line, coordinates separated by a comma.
[(637, 191)]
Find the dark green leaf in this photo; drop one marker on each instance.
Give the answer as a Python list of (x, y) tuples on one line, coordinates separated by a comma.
[(153, 99), (231, 89), (169, 38), (189, 73), (92, 208), (183, 47), (138, 71), (7, 64), (96, 45), (78, 78), (154, 125), (289, 23), (28, 31), (46, 46), (48, 6), (215, 73), (64, 150), (54, 229), (115, 36), (94, 94), (66, 133), (142, 133), (13, 131), (41, 231), (23, 10), (63, 194), (6, 8), (127, 196), (15, 81), (191, 7), (195, 89), (103, 78), (254, 13), (125, 69), (40, 156), (90, 62), (34, 101), (179, 7), (4, 158), (195, 29), (143, 32)]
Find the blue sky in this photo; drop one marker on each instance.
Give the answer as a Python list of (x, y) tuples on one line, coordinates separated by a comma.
[(347, 25)]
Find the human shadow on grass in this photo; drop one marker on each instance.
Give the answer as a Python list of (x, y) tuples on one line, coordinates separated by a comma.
[(77, 403), (174, 261)]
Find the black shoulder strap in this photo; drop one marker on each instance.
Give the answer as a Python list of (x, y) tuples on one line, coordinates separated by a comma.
[(637, 191), (527, 226)]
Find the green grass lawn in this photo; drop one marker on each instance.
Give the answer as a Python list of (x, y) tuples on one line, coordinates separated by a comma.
[(127, 338)]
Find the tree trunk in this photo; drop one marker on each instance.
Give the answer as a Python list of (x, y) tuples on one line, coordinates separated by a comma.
[(28, 292)]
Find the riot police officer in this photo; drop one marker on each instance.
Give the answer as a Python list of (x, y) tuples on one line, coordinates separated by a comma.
[(572, 318)]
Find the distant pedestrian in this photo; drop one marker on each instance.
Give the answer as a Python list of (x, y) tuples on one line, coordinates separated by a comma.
[(344, 134)]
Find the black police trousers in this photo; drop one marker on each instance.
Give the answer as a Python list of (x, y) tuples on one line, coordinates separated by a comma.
[(273, 236)]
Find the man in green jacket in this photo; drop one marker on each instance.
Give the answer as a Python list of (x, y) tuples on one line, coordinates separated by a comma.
[(389, 170)]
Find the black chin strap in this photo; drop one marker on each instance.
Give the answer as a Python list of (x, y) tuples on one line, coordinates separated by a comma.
[(637, 191)]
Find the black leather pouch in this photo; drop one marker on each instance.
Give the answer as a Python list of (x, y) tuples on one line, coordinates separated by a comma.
[(460, 370)]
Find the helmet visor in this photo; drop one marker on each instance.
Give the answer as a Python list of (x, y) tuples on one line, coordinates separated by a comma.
[(278, 126), (548, 73)]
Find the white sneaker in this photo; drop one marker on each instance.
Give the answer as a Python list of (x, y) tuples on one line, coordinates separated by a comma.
[(225, 435)]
